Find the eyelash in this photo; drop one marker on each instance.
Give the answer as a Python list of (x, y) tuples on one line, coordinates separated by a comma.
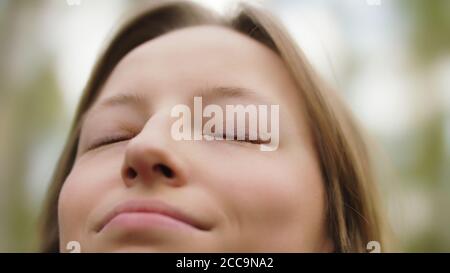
[(108, 140), (247, 140), (113, 139)]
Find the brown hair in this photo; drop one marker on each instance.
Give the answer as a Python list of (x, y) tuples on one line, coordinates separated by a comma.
[(353, 215)]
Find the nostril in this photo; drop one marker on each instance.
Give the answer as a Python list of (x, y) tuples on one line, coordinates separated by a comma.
[(131, 173), (165, 170)]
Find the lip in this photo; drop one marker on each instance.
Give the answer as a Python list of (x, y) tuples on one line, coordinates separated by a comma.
[(153, 208)]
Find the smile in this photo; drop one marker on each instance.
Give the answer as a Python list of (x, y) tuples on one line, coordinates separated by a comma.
[(137, 215)]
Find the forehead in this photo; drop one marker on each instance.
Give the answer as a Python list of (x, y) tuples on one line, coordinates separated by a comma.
[(196, 56), (203, 45)]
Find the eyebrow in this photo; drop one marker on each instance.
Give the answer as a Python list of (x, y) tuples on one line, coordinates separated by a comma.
[(139, 99), (206, 92), (134, 99), (123, 99), (231, 92)]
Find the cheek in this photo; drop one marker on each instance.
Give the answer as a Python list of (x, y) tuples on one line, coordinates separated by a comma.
[(268, 197), (71, 210), (82, 191), (278, 191)]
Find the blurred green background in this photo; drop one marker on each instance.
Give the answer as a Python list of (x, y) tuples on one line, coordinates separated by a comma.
[(389, 58)]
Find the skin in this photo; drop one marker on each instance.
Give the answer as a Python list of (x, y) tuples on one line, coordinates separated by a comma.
[(251, 201)]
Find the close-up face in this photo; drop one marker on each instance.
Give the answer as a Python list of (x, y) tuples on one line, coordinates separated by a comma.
[(134, 187), (227, 126)]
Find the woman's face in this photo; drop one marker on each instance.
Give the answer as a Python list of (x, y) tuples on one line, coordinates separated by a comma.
[(229, 196)]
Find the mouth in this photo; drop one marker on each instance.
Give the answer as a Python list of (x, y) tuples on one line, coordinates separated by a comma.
[(146, 213)]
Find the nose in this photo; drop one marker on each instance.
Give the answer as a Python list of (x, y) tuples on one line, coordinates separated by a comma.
[(150, 159)]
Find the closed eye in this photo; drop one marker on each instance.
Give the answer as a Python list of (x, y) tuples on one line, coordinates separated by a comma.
[(107, 141), (246, 139)]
